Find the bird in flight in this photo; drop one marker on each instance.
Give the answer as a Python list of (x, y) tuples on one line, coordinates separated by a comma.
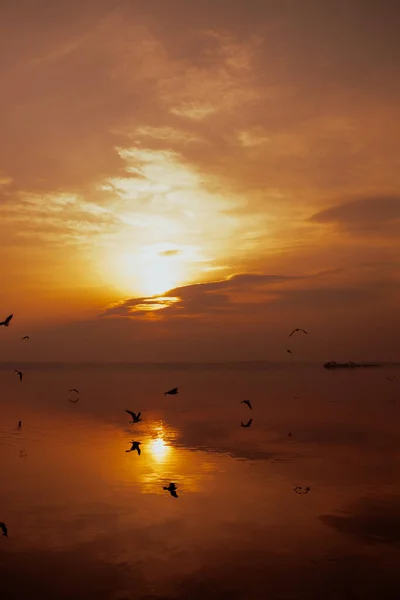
[(300, 490), (4, 529), (297, 329), (172, 392), (171, 489), (289, 351), (249, 422), (248, 403), (19, 373), (390, 378), (19, 424), (135, 417), (135, 446), (74, 390), (73, 401), (6, 322), (26, 337)]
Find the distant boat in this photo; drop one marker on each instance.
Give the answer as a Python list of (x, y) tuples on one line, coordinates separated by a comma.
[(349, 365)]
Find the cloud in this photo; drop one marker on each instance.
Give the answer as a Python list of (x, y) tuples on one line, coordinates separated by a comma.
[(375, 214), (170, 252), (203, 298), (250, 295)]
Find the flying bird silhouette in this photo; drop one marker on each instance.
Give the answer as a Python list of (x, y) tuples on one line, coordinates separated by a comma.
[(390, 378), (289, 351), (6, 322), (249, 422), (4, 529), (26, 337), (19, 424), (171, 392), (172, 490), (19, 373), (248, 403), (135, 417), (300, 490), (297, 329), (135, 446), (74, 390), (73, 401)]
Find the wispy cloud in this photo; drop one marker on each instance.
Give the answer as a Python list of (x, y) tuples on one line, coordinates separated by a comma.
[(376, 214)]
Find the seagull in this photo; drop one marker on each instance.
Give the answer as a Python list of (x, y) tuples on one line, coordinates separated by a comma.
[(289, 351), (249, 422), (390, 378), (74, 390), (26, 337), (135, 446), (4, 529), (19, 424), (7, 321), (73, 401), (171, 392), (248, 403), (300, 490), (135, 417), (171, 489), (19, 373), (297, 329)]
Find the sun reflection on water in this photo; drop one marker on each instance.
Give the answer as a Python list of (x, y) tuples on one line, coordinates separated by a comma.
[(159, 449)]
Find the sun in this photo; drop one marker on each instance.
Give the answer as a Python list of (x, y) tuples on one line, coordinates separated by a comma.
[(147, 272), (157, 275)]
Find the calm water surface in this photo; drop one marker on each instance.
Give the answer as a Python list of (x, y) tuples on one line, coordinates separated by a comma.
[(88, 520)]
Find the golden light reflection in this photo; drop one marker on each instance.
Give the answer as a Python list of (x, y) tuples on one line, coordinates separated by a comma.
[(152, 304), (159, 449)]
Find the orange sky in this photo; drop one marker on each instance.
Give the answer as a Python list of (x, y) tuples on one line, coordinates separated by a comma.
[(190, 181)]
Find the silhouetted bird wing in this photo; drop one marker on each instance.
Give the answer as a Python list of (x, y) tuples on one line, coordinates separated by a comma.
[(138, 415), (303, 330), (6, 322), (172, 486), (249, 422), (4, 529), (138, 450), (290, 352), (174, 494), (74, 390), (133, 415), (26, 337), (294, 331)]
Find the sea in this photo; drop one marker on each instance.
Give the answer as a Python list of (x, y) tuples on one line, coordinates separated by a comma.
[(88, 520)]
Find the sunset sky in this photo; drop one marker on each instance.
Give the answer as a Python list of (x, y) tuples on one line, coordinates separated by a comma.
[(184, 180)]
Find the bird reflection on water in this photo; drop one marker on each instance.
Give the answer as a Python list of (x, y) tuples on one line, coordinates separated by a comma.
[(117, 500)]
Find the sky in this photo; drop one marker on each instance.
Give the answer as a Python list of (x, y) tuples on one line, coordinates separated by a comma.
[(189, 181)]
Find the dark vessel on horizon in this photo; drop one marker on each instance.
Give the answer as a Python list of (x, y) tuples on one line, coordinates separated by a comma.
[(349, 365)]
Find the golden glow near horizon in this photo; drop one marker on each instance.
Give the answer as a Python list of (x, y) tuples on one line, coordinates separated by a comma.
[(191, 155)]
